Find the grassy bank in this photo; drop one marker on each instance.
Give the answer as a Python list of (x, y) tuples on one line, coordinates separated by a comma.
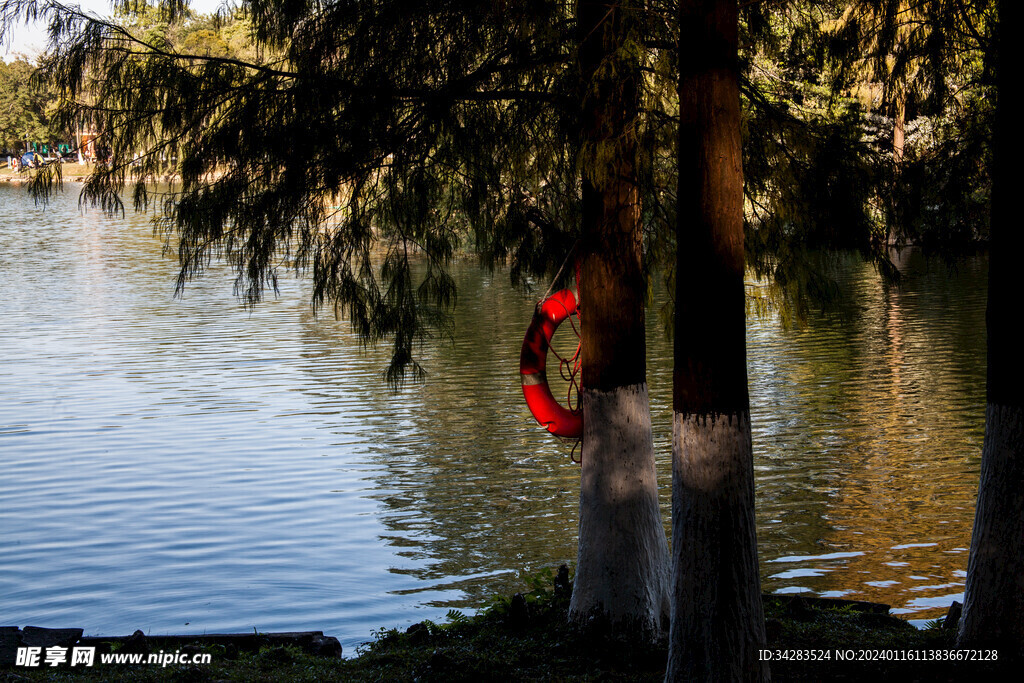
[(528, 639)]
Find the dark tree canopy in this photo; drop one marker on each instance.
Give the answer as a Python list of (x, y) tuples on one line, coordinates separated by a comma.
[(367, 143)]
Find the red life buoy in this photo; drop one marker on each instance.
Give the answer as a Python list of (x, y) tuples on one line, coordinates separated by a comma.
[(558, 419)]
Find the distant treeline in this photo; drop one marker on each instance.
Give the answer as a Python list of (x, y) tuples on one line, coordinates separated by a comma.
[(28, 104)]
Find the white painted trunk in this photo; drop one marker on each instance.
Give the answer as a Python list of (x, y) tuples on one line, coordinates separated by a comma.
[(717, 617), (622, 567), (993, 610)]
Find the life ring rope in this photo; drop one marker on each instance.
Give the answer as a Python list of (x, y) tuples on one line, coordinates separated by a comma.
[(572, 365)]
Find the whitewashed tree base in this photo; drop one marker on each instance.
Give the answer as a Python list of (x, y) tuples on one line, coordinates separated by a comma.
[(717, 618), (622, 569), (993, 610)]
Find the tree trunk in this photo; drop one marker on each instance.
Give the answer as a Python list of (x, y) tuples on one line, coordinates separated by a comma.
[(899, 135), (717, 617), (993, 611), (898, 143), (622, 570)]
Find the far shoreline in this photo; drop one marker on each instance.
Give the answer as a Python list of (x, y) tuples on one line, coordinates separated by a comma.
[(22, 177)]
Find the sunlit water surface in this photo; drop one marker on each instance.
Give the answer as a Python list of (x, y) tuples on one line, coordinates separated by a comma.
[(188, 465)]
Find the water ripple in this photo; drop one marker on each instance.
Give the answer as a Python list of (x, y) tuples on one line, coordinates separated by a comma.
[(187, 465)]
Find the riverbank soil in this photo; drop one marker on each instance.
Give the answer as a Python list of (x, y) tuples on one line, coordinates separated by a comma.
[(527, 638)]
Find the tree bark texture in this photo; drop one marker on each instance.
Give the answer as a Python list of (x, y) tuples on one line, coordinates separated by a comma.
[(622, 568), (993, 611), (994, 596), (717, 617)]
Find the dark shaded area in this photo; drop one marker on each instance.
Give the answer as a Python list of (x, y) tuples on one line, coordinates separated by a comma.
[(527, 637)]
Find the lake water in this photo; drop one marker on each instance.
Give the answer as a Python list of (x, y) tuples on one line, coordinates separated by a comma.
[(187, 465)]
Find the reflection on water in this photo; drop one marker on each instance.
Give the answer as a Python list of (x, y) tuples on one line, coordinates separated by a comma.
[(868, 436), (188, 466)]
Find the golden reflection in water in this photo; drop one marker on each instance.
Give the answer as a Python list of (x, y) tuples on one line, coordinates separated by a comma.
[(902, 437)]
